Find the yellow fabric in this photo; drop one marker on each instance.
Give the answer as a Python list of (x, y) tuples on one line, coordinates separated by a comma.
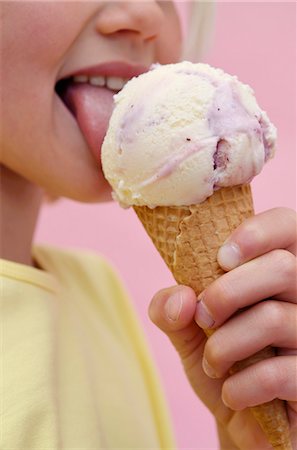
[(76, 370)]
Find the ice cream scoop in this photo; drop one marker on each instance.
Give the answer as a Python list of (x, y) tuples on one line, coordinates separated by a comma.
[(180, 132)]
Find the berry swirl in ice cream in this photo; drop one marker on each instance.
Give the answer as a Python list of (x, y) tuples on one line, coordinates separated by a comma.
[(181, 131)]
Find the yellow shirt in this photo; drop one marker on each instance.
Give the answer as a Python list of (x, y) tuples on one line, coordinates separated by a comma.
[(76, 370)]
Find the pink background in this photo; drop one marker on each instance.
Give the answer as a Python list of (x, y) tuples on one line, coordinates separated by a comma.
[(256, 41)]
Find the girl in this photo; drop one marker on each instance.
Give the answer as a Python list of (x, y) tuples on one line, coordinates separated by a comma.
[(76, 372)]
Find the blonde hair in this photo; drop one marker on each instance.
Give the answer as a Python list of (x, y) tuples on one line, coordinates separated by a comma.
[(200, 29)]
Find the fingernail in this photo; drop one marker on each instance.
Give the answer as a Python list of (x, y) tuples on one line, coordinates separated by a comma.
[(202, 315), (173, 306), (229, 256), (208, 369)]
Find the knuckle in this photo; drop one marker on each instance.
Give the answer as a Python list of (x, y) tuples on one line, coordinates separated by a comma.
[(288, 214), (250, 234), (230, 391), (213, 352), (224, 295), (274, 315), (286, 264), (270, 378)]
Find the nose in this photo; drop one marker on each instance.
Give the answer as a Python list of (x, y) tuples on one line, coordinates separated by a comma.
[(141, 18)]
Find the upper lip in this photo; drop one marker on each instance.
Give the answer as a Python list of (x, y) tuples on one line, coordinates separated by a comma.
[(120, 69)]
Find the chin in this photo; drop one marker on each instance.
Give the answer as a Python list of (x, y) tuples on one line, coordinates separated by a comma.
[(87, 192), (91, 196)]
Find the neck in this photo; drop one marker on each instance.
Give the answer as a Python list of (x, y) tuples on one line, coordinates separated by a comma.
[(20, 204)]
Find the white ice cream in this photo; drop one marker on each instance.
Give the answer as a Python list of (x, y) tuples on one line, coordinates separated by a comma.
[(181, 131)]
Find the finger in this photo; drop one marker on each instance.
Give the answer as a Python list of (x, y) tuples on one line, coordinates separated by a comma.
[(247, 432), (269, 275), (251, 331), (259, 234), (261, 383)]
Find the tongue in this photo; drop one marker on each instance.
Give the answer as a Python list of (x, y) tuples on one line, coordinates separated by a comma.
[(92, 106)]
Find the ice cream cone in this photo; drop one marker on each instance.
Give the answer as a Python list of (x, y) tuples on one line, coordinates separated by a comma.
[(188, 239)]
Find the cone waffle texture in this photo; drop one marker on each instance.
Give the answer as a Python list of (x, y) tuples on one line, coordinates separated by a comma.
[(188, 239)]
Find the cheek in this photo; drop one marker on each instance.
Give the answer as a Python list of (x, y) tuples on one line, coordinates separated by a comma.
[(37, 34), (169, 46)]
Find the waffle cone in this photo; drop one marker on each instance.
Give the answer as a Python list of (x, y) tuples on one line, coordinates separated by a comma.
[(188, 239)]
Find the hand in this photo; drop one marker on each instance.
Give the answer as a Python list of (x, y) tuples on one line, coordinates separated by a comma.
[(261, 253)]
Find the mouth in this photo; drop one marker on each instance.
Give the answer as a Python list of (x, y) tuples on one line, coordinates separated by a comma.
[(113, 83), (88, 96)]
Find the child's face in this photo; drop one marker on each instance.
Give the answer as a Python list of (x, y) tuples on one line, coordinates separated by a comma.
[(44, 42)]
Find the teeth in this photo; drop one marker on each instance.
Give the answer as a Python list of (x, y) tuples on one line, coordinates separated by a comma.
[(115, 83), (97, 81), (81, 79)]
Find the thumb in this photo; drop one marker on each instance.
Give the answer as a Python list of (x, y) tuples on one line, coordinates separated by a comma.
[(173, 310)]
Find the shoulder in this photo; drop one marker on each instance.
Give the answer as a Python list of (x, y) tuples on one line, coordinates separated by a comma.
[(77, 267), (89, 282)]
